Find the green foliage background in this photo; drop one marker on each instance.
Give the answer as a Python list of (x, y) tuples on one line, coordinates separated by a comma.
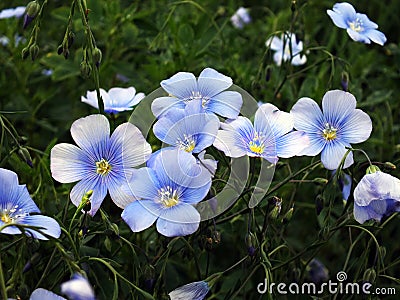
[(148, 41)]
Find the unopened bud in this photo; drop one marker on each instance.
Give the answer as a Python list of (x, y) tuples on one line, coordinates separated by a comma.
[(149, 275), (389, 165), (372, 169), (86, 69), (288, 215), (97, 56), (319, 204), (34, 51), (71, 38), (24, 154), (267, 73), (60, 49), (251, 243), (320, 180), (345, 81), (369, 275), (25, 53), (31, 11), (293, 6)]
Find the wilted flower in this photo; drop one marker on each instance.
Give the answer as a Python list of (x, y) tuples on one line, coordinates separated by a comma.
[(241, 17), (193, 291), (16, 207), (209, 88), (190, 129), (12, 12), (78, 288), (358, 26), (376, 195), (115, 100), (270, 137), (332, 130), (101, 162), (287, 49), (166, 191)]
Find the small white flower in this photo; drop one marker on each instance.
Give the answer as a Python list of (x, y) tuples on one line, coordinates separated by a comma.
[(240, 18), (286, 48), (12, 12)]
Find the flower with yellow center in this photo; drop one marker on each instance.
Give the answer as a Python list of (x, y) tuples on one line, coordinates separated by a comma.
[(329, 132), (103, 167)]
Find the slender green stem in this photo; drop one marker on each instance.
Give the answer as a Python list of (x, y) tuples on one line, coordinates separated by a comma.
[(2, 282)]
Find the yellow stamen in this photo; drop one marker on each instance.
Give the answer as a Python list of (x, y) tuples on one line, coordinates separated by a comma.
[(256, 145), (329, 133), (168, 197), (103, 167), (6, 218), (188, 144)]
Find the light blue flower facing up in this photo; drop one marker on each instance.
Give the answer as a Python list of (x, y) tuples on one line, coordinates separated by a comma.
[(101, 163), (166, 191), (16, 207), (209, 88), (375, 196), (270, 137), (358, 26), (332, 130), (190, 129), (115, 100), (193, 291)]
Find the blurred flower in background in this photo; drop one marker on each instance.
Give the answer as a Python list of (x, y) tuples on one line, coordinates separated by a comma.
[(287, 49), (240, 18), (317, 272), (78, 288), (115, 100), (358, 26), (12, 12)]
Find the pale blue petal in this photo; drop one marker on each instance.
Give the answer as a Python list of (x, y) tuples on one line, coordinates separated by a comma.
[(362, 213), (82, 187), (269, 118), (117, 193), (161, 105), (358, 37), (376, 36), (356, 128), (128, 140), (299, 60), (68, 163), (141, 214), (211, 82), (195, 195), (50, 226), (143, 184), (78, 288), (366, 22), (92, 134), (179, 220), (42, 294), (181, 85), (274, 43), (207, 162), (307, 116), (226, 104), (316, 145), (234, 137), (291, 144), (165, 130), (91, 98), (375, 210), (346, 10), (333, 153), (121, 97), (194, 291), (337, 106), (278, 58), (12, 12), (338, 19)]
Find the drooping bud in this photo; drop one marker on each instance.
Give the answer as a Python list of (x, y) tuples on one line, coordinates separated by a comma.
[(277, 209), (251, 242), (389, 165), (97, 56), (319, 180), (345, 81), (71, 38), (31, 11), (60, 49), (25, 53), (293, 6), (267, 73), (34, 51), (149, 275), (86, 69), (288, 215), (369, 275), (24, 154)]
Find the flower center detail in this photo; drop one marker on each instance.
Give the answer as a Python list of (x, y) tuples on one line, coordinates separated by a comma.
[(187, 143), (168, 197), (256, 145), (198, 96), (6, 218), (103, 167), (356, 25), (9, 214), (329, 133)]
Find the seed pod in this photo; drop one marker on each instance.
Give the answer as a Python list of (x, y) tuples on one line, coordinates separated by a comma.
[(34, 51)]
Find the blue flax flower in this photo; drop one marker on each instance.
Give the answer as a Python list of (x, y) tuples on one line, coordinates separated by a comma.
[(209, 88), (17, 207), (376, 195), (101, 162), (12, 12), (332, 130), (190, 129), (115, 100), (43, 294), (78, 288), (358, 26), (193, 291), (166, 191), (270, 137), (240, 18), (287, 49)]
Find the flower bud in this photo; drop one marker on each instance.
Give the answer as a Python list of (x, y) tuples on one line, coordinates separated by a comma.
[(86, 69), (288, 215), (97, 56), (149, 275), (345, 81), (268, 73), (25, 53), (369, 275), (389, 165), (60, 49), (320, 180), (251, 242), (31, 11), (71, 38), (24, 154), (293, 6), (372, 169), (34, 51)]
